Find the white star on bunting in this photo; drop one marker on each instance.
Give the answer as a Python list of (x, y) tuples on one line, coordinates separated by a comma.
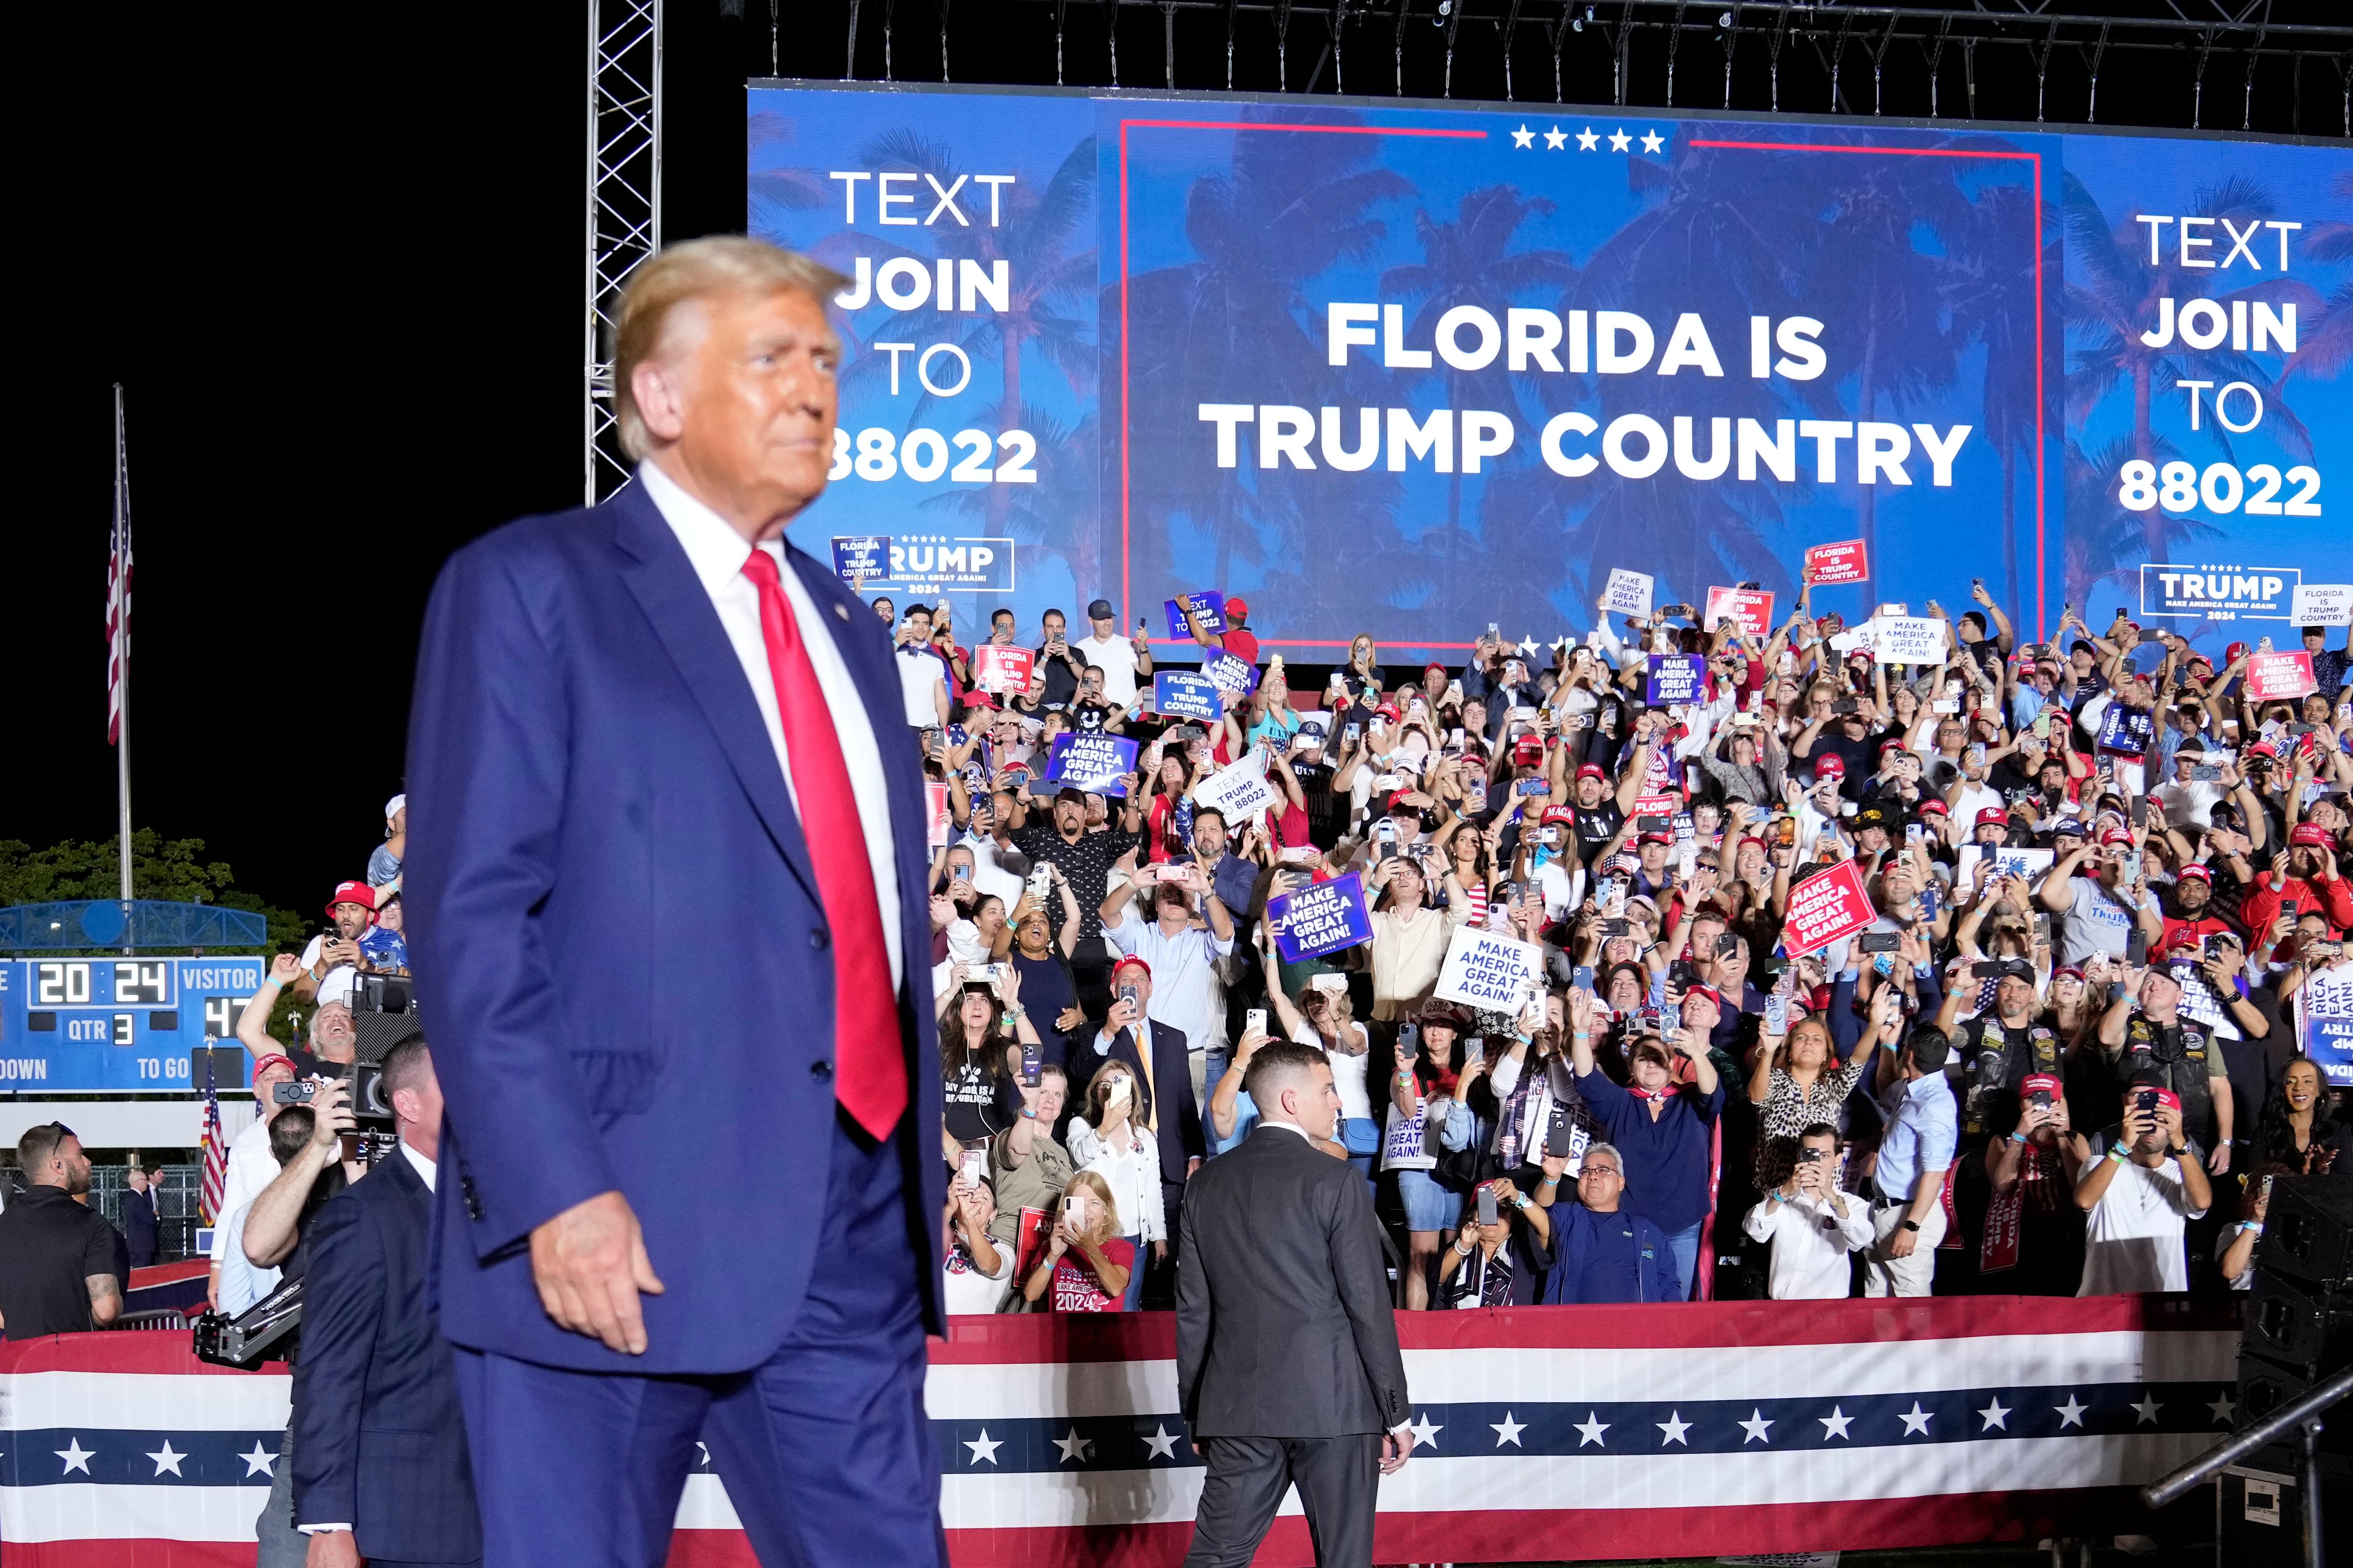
[(1527, 645), (1674, 1427), (1995, 1415), (1653, 141), (1587, 140), (168, 1460), (1508, 1430), (2147, 1409), (984, 1450), (75, 1457), (1425, 1432), (1073, 1446), (1619, 141), (1916, 1422), (1835, 1424), (1589, 1430), (1556, 139), (2221, 1408), (1163, 1443), (1756, 1426), (2071, 1414), (1524, 137), (261, 1462)]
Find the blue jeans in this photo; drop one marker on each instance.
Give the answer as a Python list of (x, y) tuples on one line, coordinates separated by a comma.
[(1685, 1244), (1133, 1300)]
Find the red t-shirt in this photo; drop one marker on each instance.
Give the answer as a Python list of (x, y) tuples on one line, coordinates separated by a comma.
[(1075, 1287), (1241, 642)]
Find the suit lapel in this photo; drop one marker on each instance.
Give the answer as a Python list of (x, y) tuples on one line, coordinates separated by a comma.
[(662, 581)]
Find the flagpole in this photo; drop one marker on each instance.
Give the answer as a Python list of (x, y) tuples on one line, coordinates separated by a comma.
[(122, 653)]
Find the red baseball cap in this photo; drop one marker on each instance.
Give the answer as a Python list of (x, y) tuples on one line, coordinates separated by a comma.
[(1237, 609), (1655, 838), (1993, 816), (2042, 1082), (2310, 835), (1124, 962), (1559, 813), (1710, 992), (2263, 749), (1527, 748), (1592, 771), (1892, 744), (2197, 871), (2115, 835), (1833, 766), (1932, 805), (358, 893), (1434, 664), (269, 1060)]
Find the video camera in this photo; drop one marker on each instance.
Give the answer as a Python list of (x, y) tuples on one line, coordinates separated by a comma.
[(262, 1333)]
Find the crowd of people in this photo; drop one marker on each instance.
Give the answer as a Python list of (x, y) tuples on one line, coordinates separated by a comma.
[(2062, 1059)]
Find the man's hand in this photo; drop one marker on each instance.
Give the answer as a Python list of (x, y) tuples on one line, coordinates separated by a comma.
[(1901, 1243), (330, 1112), (590, 1265), (285, 967), (331, 1549), (1395, 1451)]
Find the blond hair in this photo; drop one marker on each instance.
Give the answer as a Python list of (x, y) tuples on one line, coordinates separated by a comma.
[(725, 266), (1106, 1223)]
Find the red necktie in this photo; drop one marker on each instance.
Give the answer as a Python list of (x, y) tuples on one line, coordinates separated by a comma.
[(871, 1071)]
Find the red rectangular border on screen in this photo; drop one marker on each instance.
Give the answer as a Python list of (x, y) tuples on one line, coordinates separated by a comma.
[(1126, 595)]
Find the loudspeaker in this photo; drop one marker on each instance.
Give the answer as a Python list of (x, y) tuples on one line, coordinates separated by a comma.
[(379, 1031), (2295, 1326), (2308, 1232)]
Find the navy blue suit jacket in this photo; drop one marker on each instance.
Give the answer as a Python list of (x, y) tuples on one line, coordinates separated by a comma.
[(621, 957), (379, 1443)]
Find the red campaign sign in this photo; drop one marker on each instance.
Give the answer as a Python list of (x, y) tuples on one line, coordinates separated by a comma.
[(1752, 610), (2285, 676), (1826, 907), (1843, 562), (942, 821), (997, 668)]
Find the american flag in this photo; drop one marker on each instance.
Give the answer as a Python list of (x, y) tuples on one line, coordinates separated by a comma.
[(215, 1151), (118, 584)]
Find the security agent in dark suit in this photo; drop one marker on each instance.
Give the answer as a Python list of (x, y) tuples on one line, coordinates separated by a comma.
[(1287, 1364), (380, 1455)]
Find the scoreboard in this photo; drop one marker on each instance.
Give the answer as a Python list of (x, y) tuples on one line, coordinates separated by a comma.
[(83, 1026)]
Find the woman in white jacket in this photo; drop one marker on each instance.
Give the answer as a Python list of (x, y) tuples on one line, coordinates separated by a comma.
[(1110, 1141)]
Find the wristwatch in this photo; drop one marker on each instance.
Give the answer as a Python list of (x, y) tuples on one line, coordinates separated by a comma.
[(1911, 1224)]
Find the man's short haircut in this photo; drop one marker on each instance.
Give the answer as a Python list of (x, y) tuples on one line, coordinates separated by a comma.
[(292, 1130), (1608, 1149), (405, 1065), (1818, 1130), (1201, 811), (999, 614), (923, 610), (1053, 615), (1278, 1062), (1929, 1046), (729, 266), (38, 1146)]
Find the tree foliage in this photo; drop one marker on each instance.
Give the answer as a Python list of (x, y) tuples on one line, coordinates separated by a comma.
[(173, 870)]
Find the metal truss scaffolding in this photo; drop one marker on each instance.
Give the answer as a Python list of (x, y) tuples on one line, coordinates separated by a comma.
[(625, 145)]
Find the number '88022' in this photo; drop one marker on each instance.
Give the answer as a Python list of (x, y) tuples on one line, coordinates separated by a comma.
[(2221, 487), (923, 456)]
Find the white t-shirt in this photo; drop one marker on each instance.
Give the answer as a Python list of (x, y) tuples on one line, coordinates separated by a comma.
[(1116, 655), (2132, 1238), (1129, 1164), (971, 1293), (337, 985), (1347, 1072), (920, 675), (1974, 797), (2187, 802)]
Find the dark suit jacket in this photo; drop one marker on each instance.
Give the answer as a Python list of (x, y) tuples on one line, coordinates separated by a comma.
[(139, 1228), (1169, 1084), (1283, 1323), (379, 1443), (612, 905)]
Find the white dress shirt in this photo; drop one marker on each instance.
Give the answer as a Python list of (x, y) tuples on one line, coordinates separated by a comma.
[(1811, 1242), (717, 553), (251, 1167)]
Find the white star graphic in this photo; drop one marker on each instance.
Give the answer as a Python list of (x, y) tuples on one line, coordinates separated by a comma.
[(1559, 643), (1756, 1426), (1916, 1421), (1556, 139), (1674, 1427), (1425, 1432), (1527, 645), (1075, 1446), (1162, 1442), (1619, 141), (2147, 1409), (2221, 1408), (1508, 1430), (984, 1452), (1587, 140), (1589, 1430), (1524, 137), (2071, 1414), (168, 1460), (75, 1457), (1995, 1415), (261, 1462), (1653, 141), (702, 1453), (1835, 1424)]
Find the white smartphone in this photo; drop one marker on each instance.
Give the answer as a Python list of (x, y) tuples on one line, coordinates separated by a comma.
[(974, 1161), (1254, 1021)]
